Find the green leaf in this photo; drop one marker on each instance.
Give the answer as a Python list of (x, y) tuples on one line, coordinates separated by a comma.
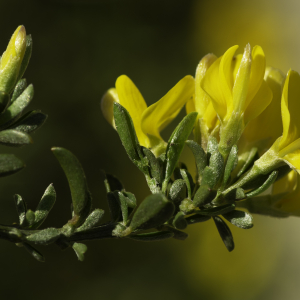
[(4, 100), (215, 211), (112, 183), (10, 164), (30, 122), (253, 155), (33, 252), (81, 197), (123, 206), (151, 236), (44, 206), (231, 164), (179, 221), (156, 166), (26, 57), (200, 157), (225, 233), (178, 235), (187, 182), (15, 110), (20, 87), (196, 218), (178, 190), (21, 208), (126, 131), (152, 212), (176, 144), (239, 218), (92, 220), (130, 199), (14, 138), (80, 250), (203, 195), (271, 179), (216, 164), (45, 236)]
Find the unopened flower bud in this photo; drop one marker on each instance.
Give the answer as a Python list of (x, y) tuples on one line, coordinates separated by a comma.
[(11, 60)]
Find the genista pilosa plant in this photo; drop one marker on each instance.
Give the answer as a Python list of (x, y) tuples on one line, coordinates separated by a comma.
[(245, 156)]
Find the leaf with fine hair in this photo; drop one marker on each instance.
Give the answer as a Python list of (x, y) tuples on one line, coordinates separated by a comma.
[(15, 110), (152, 212), (44, 206), (81, 197), (14, 138), (176, 144), (10, 164), (30, 122)]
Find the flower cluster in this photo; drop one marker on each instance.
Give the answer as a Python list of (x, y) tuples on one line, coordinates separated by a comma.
[(240, 103)]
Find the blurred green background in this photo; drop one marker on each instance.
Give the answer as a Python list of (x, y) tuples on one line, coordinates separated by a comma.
[(80, 48)]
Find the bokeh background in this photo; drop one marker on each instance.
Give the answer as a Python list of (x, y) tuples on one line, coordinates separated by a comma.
[(80, 48)]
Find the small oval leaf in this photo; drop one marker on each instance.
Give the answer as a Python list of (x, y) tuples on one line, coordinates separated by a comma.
[(152, 212), (239, 218), (81, 197), (14, 138)]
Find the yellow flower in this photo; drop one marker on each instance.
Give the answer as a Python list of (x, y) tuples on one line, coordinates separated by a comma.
[(263, 131), (238, 91), (11, 60), (148, 121), (201, 103), (287, 147)]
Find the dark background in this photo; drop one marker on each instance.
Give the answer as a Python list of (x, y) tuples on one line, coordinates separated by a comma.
[(80, 48)]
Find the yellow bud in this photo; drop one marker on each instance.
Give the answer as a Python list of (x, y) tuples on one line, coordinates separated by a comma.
[(11, 60), (107, 105)]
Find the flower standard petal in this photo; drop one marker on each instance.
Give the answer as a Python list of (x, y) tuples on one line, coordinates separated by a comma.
[(263, 131), (211, 85), (258, 68), (259, 103), (202, 100), (157, 116), (226, 77), (131, 98)]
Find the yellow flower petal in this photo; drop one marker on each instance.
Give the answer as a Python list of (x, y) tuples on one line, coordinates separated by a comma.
[(258, 67), (210, 117), (266, 128), (259, 103), (290, 107), (190, 105), (286, 184), (293, 159), (211, 85), (202, 100), (241, 83), (131, 98), (157, 116), (107, 105), (226, 77)]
